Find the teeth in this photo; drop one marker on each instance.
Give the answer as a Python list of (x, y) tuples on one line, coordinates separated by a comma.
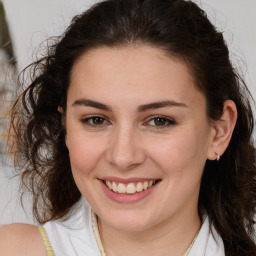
[(114, 187), (145, 185), (130, 188), (139, 187), (121, 188), (108, 183)]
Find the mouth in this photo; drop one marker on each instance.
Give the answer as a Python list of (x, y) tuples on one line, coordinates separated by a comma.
[(131, 187)]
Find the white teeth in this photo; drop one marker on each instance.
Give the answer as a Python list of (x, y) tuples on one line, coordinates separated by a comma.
[(108, 183), (130, 188), (121, 188), (139, 187), (114, 187), (145, 185)]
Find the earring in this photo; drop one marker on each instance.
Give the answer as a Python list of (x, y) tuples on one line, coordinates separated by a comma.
[(217, 157)]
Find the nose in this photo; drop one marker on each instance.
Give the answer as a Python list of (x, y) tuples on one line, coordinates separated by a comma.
[(125, 151)]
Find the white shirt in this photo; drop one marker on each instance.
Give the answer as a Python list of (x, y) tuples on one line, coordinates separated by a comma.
[(75, 237)]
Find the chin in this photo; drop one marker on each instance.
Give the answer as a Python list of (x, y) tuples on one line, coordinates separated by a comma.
[(128, 222)]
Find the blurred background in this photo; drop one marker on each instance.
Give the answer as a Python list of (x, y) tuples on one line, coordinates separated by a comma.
[(25, 24)]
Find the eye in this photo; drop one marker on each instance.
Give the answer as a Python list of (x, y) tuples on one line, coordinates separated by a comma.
[(161, 122), (94, 121)]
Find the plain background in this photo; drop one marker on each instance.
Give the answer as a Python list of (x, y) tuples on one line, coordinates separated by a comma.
[(33, 21)]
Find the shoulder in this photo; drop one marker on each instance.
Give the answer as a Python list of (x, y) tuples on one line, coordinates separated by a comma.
[(21, 239)]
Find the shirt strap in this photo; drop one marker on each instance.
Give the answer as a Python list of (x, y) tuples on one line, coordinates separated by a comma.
[(47, 244), (96, 233)]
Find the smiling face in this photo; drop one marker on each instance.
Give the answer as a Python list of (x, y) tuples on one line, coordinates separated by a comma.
[(138, 136)]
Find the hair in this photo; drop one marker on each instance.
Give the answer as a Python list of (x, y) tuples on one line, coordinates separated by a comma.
[(182, 30)]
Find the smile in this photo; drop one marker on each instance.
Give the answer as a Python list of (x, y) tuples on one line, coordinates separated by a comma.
[(130, 188)]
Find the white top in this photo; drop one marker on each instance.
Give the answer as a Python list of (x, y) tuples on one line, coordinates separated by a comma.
[(75, 236)]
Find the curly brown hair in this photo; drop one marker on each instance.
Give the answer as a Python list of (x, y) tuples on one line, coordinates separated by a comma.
[(182, 29)]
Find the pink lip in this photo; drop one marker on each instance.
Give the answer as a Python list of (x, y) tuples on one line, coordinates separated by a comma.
[(126, 198)]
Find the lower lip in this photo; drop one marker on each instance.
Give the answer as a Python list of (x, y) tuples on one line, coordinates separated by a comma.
[(126, 198)]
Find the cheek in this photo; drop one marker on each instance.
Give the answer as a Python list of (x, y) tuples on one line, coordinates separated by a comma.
[(173, 154), (84, 152), (181, 152)]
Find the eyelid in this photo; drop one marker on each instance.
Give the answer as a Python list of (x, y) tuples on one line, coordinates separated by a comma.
[(170, 121), (86, 119)]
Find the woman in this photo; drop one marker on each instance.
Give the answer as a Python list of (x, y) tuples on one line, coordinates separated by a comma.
[(134, 138)]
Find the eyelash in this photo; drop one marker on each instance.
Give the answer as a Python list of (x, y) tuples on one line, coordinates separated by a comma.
[(89, 121), (167, 121)]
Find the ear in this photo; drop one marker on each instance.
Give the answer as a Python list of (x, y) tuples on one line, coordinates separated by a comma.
[(222, 130), (60, 110), (63, 121)]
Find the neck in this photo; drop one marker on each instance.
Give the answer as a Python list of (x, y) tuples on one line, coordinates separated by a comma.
[(171, 237)]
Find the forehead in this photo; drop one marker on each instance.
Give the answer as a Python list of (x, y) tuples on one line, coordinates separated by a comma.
[(132, 72), (127, 58)]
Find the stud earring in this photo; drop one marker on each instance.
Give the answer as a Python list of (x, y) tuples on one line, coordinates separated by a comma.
[(217, 157)]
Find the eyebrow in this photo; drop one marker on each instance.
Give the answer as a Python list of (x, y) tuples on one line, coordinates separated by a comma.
[(160, 104), (142, 108), (92, 103)]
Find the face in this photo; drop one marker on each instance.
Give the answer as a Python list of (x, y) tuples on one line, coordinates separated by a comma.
[(138, 136)]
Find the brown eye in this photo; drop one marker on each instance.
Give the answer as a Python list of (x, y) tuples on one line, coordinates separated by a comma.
[(98, 120), (160, 121), (94, 121)]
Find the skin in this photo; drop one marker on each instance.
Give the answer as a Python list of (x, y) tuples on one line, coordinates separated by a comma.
[(21, 240), (129, 143)]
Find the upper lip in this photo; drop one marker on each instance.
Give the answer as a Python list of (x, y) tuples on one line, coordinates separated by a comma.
[(128, 180)]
